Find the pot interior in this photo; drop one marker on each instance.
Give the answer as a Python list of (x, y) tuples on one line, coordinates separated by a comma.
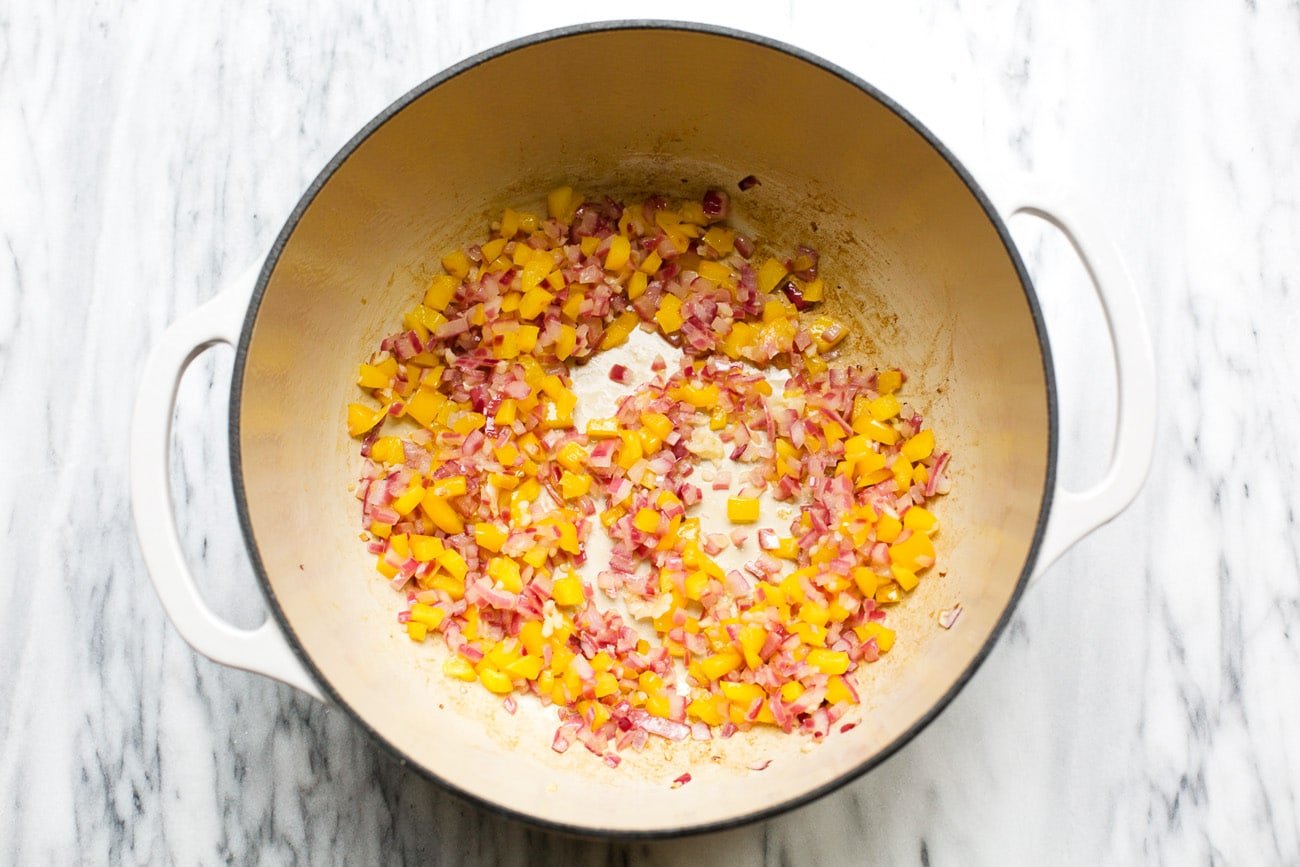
[(910, 256)]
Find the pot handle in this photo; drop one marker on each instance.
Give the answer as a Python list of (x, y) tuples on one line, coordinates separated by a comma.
[(1075, 514), (263, 650)]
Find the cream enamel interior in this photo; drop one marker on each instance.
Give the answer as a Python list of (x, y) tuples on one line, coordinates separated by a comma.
[(912, 258)]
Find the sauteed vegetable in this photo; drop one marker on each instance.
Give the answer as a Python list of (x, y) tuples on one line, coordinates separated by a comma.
[(482, 487)]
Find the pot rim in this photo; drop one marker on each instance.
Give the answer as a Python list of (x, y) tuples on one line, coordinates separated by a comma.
[(291, 223)]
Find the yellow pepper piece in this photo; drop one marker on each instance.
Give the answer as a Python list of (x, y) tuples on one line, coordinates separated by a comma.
[(572, 456), (574, 485), (369, 376), (454, 564), (658, 705), (505, 571), (838, 692), (496, 680), (905, 577), (427, 615), (606, 684), (524, 668), (721, 664), (619, 330), (742, 510), (456, 263), (717, 273), (619, 250), (770, 273), (534, 303), (916, 552), (362, 418), (566, 343), (919, 447), (425, 405), (567, 591), (752, 639), (442, 514), (451, 486), (561, 202), (637, 285), (828, 661), (425, 549), (646, 520), (884, 407), (707, 709), (602, 428), (416, 631), (387, 450), (889, 381), (440, 292), (650, 264), (866, 580), (872, 629), (490, 536), (669, 314), (459, 668), (920, 520), (589, 245)]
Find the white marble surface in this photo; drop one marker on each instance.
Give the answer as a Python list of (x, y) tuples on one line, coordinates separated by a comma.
[(1143, 707)]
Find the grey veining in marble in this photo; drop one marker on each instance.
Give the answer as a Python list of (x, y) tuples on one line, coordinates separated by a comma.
[(1143, 707)]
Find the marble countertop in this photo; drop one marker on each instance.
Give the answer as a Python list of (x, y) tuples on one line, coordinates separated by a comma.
[(1143, 706)]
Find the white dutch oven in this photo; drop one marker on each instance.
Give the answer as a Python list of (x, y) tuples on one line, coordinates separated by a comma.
[(924, 267)]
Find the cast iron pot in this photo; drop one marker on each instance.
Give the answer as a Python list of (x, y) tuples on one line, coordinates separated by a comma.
[(919, 259)]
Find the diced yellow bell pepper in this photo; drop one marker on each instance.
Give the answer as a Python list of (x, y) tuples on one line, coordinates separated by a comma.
[(428, 615), (884, 407), (425, 405), (561, 203), (524, 668), (742, 510), (889, 381), (567, 591), (883, 635), (618, 331), (442, 514), (459, 668), (752, 638), (456, 263), (534, 303), (440, 292), (647, 521), (828, 661), (619, 251), (916, 552), (637, 285), (920, 520), (566, 342), (650, 264), (717, 273), (362, 418), (455, 564), (866, 580), (505, 571), (838, 692), (495, 680), (369, 376), (721, 664), (919, 447), (416, 631), (574, 485), (669, 314), (770, 274)]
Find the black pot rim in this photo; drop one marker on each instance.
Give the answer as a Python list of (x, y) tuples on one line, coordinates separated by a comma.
[(241, 354)]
